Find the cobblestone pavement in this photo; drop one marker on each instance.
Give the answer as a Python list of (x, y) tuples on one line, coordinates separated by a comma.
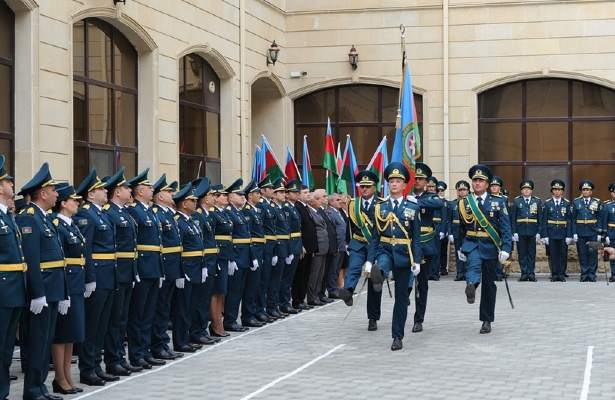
[(536, 351)]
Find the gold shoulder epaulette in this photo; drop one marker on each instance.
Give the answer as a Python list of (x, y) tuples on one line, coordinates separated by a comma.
[(132, 204), (199, 211), (56, 221), (86, 206), (155, 210), (49, 212), (248, 206), (228, 208), (106, 207), (211, 209), (176, 217), (31, 210)]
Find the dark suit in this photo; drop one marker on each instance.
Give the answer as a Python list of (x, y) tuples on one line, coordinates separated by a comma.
[(333, 253), (308, 236), (319, 258)]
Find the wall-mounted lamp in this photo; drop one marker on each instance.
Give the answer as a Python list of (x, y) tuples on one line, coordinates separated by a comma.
[(118, 1), (353, 58), (272, 53)]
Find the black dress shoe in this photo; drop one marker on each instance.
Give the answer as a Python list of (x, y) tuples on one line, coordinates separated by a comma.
[(304, 306), (206, 340), (486, 328), (91, 380), (470, 293), (59, 389), (142, 364), (132, 368), (522, 278), (215, 339), (443, 272), (325, 300), (611, 279), (532, 278), (106, 377), (566, 275), (117, 370), (333, 294), (262, 318), (78, 390), (346, 296), (289, 310), (154, 362), (163, 355), (216, 334), (253, 323), (417, 327), (235, 328), (372, 325), (316, 303), (459, 278), (275, 314), (53, 397), (397, 345), (185, 348)]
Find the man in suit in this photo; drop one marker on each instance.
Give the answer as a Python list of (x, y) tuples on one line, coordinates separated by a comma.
[(332, 253), (308, 234), (334, 212), (319, 256)]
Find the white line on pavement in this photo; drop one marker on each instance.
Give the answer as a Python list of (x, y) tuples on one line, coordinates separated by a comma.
[(588, 373), (198, 353), (295, 372)]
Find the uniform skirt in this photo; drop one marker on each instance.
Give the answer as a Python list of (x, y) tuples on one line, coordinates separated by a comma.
[(70, 328), (220, 283)]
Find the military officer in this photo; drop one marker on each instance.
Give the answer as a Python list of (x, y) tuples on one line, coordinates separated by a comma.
[(295, 244), (13, 276), (525, 221), (429, 203), (118, 193), (46, 283), (556, 229), (149, 274), (585, 228), (441, 187), (285, 258), (496, 188), (171, 266), (462, 187), (485, 236), (608, 225), (398, 229), (362, 248), (253, 215), (270, 258)]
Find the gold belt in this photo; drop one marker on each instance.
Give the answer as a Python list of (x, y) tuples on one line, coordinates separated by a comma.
[(586, 221), (554, 222), (477, 234), (170, 250), (271, 237), (75, 261), (212, 250), (53, 264), (227, 238), (394, 241), (528, 220), (426, 229), (242, 241), (131, 255), (103, 256), (455, 221), (21, 267), (611, 225), (295, 234), (258, 240), (359, 238), (436, 219), (282, 237), (148, 247), (195, 253)]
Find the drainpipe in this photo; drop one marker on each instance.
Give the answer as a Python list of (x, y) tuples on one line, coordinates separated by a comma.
[(242, 87), (445, 106)]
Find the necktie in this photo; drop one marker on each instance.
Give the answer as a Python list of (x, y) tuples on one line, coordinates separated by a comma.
[(586, 202), (527, 201), (365, 205), (480, 201), (396, 205)]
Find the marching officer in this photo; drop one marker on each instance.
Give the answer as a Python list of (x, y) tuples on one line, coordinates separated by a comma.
[(608, 225), (270, 258), (585, 228), (443, 229), (295, 244), (149, 274), (525, 220), (285, 258), (362, 248), (485, 240), (429, 203), (398, 227), (556, 229), (173, 276), (463, 188), (46, 283), (13, 276), (101, 278), (118, 192)]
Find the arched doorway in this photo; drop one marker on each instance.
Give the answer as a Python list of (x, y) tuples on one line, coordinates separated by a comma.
[(548, 128)]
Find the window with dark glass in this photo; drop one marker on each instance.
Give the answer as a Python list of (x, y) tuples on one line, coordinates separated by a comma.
[(365, 112), (104, 100), (7, 84), (199, 120), (548, 128)]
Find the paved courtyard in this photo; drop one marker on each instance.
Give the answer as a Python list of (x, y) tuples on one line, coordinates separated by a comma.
[(539, 350)]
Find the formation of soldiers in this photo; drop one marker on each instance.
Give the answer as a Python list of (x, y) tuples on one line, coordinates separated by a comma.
[(119, 260)]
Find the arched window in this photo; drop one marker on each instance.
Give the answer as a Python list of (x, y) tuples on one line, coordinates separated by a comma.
[(549, 128), (365, 112), (104, 99), (7, 83), (199, 119)]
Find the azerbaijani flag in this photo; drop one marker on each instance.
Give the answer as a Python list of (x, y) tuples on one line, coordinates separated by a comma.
[(307, 177), (341, 184), (349, 166), (377, 165), (290, 170), (411, 139), (271, 165), (329, 162)]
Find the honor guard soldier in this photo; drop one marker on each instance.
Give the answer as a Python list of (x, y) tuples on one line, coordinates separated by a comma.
[(462, 187), (556, 229), (13, 276), (149, 273), (226, 255), (240, 258), (429, 204), (270, 258), (525, 221), (171, 266), (70, 328), (362, 248), (253, 215), (398, 228), (585, 228), (441, 187), (282, 231), (192, 268), (118, 193), (202, 290), (46, 283), (485, 240), (101, 279), (608, 225), (496, 188), (293, 188), (434, 273)]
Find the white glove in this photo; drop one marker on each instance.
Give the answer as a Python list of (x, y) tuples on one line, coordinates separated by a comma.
[(416, 269), (538, 238), (160, 282), (607, 240), (451, 238), (232, 267), (274, 261), (204, 275), (36, 305), (180, 283), (137, 278), (442, 234), (545, 241), (90, 288), (503, 257), (63, 306), (461, 256), (599, 238), (575, 237), (291, 257), (367, 267), (515, 237), (568, 241), (254, 265)]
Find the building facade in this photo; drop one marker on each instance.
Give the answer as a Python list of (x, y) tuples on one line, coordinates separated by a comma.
[(184, 87)]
